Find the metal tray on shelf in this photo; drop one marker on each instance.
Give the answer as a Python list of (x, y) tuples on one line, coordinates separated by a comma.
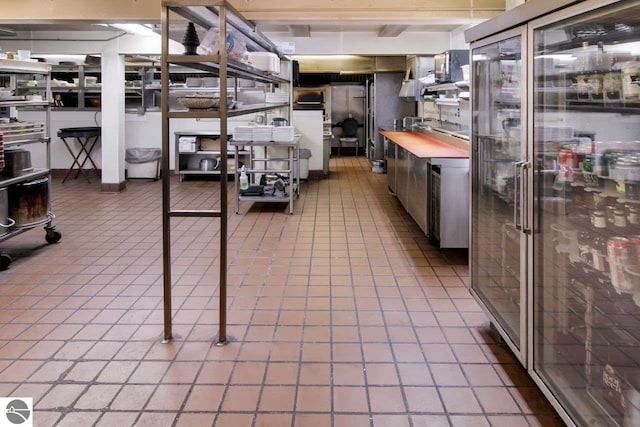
[(21, 131)]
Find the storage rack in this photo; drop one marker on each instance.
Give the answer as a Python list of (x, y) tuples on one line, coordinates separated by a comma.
[(292, 162), (15, 136), (207, 14), (186, 163)]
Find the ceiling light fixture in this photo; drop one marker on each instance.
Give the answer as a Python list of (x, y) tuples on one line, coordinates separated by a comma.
[(7, 32)]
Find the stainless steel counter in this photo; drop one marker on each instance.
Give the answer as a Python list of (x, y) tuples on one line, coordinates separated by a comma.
[(428, 171)]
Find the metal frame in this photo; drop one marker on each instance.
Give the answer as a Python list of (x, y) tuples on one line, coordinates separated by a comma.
[(521, 350), (533, 15), (167, 212), (532, 26), (222, 16)]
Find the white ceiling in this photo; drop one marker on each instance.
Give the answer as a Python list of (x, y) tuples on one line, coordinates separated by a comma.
[(378, 26), (352, 26)]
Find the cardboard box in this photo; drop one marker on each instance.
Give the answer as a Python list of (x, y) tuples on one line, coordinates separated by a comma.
[(186, 146), (209, 144)]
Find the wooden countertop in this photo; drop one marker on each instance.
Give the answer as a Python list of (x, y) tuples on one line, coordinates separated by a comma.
[(423, 146)]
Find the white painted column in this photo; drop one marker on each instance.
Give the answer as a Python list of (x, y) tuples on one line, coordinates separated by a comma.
[(113, 119)]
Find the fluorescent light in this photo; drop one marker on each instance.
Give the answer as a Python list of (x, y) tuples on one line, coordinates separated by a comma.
[(138, 29), (7, 32)]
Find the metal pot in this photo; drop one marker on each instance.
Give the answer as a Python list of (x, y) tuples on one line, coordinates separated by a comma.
[(29, 202), (5, 222), (17, 161), (279, 121), (207, 165)]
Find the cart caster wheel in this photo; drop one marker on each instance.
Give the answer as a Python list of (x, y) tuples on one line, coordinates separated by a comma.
[(5, 261), (53, 236)]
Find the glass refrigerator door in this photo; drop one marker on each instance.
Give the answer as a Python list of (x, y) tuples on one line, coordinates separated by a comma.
[(586, 241), (498, 244)]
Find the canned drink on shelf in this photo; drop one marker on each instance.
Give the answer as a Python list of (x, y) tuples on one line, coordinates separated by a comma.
[(582, 84), (611, 216), (591, 180), (567, 161), (620, 219), (598, 254), (634, 216), (610, 158), (630, 78), (621, 252), (635, 241), (598, 219), (596, 85)]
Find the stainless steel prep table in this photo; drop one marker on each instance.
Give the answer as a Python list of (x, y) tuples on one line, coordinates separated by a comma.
[(430, 178)]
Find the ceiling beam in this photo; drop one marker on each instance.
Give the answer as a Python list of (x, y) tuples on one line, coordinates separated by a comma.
[(300, 30), (392, 30)]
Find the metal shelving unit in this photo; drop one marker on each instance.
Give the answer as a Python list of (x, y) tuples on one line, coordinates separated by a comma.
[(221, 15), (16, 135), (187, 163), (293, 147)]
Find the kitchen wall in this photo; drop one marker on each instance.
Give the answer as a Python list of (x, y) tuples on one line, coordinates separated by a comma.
[(456, 115)]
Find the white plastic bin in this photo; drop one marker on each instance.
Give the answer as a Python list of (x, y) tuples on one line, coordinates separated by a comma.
[(143, 163), (305, 154)]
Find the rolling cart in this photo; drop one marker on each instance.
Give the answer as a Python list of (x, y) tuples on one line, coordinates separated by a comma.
[(25, 192)]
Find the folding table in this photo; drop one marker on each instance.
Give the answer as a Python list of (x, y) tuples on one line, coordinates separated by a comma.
[(87, 137)]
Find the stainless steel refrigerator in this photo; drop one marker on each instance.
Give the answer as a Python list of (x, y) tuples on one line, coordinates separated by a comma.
[(555, 204), (384, 105)]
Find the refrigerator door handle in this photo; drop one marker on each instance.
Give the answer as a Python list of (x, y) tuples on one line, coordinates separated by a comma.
[(517, 195), (524, 197)]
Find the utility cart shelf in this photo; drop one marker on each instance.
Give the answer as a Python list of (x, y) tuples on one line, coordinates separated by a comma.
[(25, 196), (293, 165)]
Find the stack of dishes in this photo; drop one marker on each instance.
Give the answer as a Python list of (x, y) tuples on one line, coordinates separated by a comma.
[(283, 133), (243, 133), (262, 133), (276, 98)]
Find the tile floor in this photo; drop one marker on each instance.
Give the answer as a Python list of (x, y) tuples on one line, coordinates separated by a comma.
[(341, 314)]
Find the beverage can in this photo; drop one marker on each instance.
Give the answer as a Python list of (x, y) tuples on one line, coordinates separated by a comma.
[(598, 219), (635, 241), (621, 253), (634, 216), (588, 163), (591, 180), (620, 219), (567, 161)]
